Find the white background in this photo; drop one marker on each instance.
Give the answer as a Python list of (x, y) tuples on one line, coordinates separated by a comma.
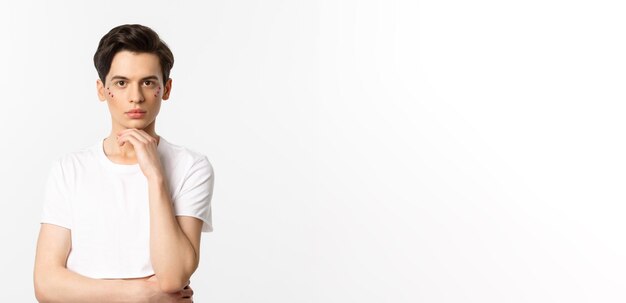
[(364, 151)]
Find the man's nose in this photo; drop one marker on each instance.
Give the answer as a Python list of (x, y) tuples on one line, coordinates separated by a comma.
[(136, 95)]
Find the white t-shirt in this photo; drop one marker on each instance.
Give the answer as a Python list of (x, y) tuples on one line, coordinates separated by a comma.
[(106, 207)]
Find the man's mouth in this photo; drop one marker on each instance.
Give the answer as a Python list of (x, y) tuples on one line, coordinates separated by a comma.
[(135, 111)]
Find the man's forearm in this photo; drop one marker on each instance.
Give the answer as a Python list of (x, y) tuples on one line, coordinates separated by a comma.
[(173, 257), (65, 286)]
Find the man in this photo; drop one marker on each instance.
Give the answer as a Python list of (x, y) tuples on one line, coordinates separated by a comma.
[(122, 218)]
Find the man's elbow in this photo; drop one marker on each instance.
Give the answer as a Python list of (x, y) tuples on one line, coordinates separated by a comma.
[(171, 285), (41, 293), (176, 282)]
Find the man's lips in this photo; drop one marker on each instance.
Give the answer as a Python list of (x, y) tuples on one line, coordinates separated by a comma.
[(135, 111)]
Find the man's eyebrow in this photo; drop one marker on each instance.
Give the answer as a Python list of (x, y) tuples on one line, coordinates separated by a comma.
[(152, 77)]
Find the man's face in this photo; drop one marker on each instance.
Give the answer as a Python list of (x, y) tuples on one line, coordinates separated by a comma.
[(134, 81)]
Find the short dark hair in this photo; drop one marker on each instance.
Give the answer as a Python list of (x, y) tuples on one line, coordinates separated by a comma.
[(135, 38)]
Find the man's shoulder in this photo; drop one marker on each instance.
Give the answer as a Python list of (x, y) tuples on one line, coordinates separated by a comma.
[(182, 152), (184, 158), (79, 155)]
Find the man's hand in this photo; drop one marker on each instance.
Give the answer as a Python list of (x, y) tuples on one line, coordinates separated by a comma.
[(153, 293), (145, 147)]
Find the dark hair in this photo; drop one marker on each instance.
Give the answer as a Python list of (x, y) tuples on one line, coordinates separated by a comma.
[(135, 38)]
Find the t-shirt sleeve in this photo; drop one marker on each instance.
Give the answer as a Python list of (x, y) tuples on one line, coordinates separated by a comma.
[(56, 204), (194, 198)]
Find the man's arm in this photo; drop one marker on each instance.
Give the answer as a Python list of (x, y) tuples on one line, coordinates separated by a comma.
[(174, 241), (55, 283), (174, 246)]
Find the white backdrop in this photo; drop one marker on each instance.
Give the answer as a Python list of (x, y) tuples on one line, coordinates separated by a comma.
[(364, 151)]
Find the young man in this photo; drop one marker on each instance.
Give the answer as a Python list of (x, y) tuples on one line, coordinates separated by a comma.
[(122, 218)]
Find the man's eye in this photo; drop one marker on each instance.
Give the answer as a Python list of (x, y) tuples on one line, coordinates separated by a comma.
[(147, 82), (121, 82)]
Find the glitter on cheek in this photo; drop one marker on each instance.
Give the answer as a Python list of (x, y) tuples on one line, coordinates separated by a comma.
[(158, 91)]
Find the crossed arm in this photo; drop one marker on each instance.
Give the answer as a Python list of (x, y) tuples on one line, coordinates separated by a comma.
[(55, 283), (174, 245), (174, 250)]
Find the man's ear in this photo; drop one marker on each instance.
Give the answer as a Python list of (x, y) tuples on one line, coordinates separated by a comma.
[(100, 89), (168, 89)]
